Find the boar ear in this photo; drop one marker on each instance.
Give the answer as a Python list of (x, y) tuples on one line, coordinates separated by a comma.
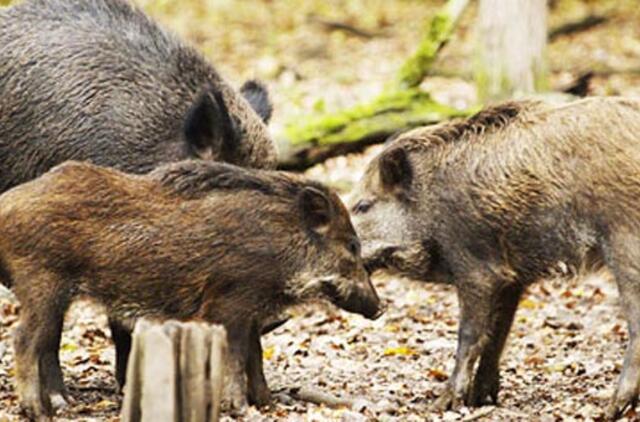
[(316, 209), (208, 128), (258, 97), (395, 169)]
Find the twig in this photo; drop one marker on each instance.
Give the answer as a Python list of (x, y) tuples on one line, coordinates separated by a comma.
[(320, 397), (480, 413), (577, 26), (342, 26)]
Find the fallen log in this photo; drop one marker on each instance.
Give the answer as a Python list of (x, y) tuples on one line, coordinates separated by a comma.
[(352, 130)]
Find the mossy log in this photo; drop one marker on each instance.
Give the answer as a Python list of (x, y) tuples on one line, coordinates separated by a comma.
[(327, 136), (402, 106)]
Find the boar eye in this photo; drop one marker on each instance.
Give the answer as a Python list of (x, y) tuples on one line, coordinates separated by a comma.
[(354, 247), (362, 206)]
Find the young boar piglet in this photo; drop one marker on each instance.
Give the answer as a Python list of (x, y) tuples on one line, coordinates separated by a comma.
[(99, 81), (492, 203), (191, 240)]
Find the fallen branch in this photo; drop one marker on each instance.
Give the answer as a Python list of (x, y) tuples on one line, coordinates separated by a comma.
[(354, 129), (583, 24), (480, 413), (342, 26), (320, 397)]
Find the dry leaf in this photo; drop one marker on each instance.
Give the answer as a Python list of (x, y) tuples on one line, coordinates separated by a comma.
[(528, 304), (399, 351), (267, 353), (438, 374)]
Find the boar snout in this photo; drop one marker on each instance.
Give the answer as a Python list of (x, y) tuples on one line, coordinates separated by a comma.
[(361, 300), (377, 257)]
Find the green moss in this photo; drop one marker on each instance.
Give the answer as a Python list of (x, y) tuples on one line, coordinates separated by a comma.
[(436, 35), (415, 68), (389, 112)]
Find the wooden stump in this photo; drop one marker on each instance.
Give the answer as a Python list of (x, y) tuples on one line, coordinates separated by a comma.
[(175, 373)]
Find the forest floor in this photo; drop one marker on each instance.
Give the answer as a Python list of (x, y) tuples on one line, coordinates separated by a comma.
[(565, 350)]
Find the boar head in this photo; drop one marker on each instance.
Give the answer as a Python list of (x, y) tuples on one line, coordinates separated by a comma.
[(334, 268)]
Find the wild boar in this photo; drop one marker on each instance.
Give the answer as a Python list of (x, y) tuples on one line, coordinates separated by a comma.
[(192, 240), (490, 204), (99, 81)]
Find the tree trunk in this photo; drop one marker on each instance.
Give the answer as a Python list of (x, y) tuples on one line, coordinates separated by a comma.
[(175, 373), (512, 39)]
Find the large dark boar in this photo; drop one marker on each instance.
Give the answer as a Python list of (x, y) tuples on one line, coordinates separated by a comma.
[(191, 240), (97, 80), (490, 204)]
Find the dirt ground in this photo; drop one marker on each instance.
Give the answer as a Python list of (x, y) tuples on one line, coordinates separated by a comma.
[(566, 346)]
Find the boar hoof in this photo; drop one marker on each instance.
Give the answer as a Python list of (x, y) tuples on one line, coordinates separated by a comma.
[(261, 398), (485, 391), (59, 400), (235, 402), (449, 400), (36, 411), (618, 406), (34, 405)]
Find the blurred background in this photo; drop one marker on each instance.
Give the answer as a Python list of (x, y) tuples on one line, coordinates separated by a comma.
[(322, 57), (336, 63)]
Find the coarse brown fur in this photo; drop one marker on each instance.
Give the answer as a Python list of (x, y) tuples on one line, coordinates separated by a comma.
[(191, 240), (492, 203)]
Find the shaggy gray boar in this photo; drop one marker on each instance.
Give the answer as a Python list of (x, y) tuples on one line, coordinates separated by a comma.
[(492, 203)]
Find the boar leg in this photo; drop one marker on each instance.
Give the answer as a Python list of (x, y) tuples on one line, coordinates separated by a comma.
[(238, 335), (487, 379), (625, 265), (121, 336), (473, 336), (52, 373), (37, 341), (259, 394)]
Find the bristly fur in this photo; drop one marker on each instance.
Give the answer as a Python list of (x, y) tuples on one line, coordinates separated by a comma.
[(190, 240), (123, 91), (196, 178), (501, 200), (487, 121)]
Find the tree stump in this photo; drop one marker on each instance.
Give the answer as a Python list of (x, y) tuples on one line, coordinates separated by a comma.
[(175, 373)]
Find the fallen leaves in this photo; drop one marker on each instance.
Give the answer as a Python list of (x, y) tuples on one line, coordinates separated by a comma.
[(399, 351), (438, 374)]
